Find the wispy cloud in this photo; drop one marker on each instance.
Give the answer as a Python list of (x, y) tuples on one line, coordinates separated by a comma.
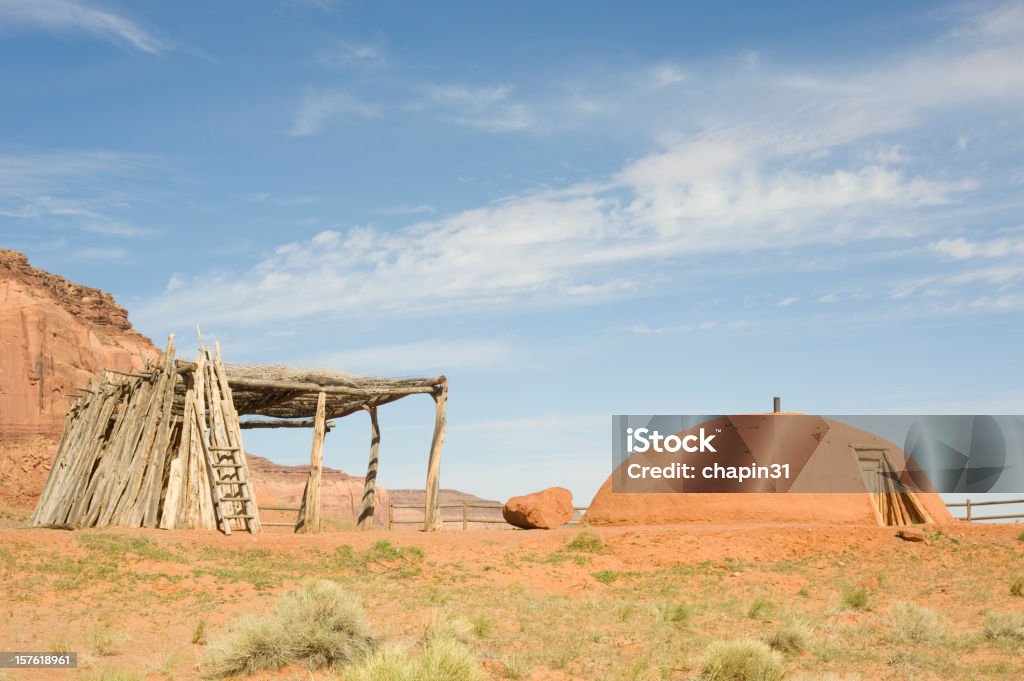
[(488, 107), (353, 55), (962, 249), (318, 107), (71, 16), (71, 189), (803, 162), (419, 209)]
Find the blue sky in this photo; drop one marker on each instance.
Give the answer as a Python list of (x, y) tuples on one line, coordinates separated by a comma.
[(573, 211)]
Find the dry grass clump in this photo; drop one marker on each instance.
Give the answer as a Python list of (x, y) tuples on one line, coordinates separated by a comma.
[(1005, 626), (741, 660), (1017, 586), (791, 636), (912, 623), (442, 659), (319, 626), (106, 638)]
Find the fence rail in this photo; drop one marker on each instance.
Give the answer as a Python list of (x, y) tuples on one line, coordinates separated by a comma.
[(466, 519), (969, 505)]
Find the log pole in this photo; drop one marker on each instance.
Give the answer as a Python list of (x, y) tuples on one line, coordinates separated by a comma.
[(431, 512), (309, 513), (366, 508)]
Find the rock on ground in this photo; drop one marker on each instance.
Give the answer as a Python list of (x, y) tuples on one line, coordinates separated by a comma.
[(544, 510)]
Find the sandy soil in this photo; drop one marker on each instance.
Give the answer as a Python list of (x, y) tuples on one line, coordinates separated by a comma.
[(58, 587)]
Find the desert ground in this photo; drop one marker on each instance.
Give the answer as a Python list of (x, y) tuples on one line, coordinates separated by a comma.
[(575, 603)]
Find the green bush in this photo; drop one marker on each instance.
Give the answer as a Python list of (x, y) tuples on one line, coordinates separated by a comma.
[(586, 542), (605, 576), (855, 599), (319, 625), (741, 660)]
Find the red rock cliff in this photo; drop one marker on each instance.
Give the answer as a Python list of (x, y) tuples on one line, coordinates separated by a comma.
[(55, 335)]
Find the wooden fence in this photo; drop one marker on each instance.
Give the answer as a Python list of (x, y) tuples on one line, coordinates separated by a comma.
[(970, 505), (466, 519)]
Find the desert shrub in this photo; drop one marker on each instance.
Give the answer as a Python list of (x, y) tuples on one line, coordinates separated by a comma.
[(760, 609), (1020, 537), (482, 626), (255, 643), (442, 659), (60, 645), (319, 625), (105, 638), (1004, 626), (605, 576), (443, 624), (741, 660), (1017, 586), (674, 613), (855, 599), (199, 632), (517, 667), (791, 636), (388, 663), (325, 624), (445, 659), (586, 542), (912, 623)]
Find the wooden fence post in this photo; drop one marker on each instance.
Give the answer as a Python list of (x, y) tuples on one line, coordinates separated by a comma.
[(968, 510), (465, 516)]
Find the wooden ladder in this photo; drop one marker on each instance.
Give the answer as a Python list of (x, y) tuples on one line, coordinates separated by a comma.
[(232, 495)]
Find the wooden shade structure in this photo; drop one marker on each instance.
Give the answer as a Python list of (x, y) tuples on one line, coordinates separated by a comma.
[(163, 447)]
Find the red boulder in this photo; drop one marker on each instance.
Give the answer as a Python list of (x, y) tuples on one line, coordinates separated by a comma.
[(544, 510)]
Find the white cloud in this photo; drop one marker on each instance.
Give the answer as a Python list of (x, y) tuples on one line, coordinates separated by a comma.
[(345, 54), (786, 302), (73, 16), (485, 107), (780, 170), (665, 75), (317, 108), (418, 209), (962, 249), (70, 189)]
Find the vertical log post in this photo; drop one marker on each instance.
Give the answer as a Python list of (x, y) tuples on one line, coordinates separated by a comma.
[(968, 510), (308, 521), (432, 516), (369, 485)]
